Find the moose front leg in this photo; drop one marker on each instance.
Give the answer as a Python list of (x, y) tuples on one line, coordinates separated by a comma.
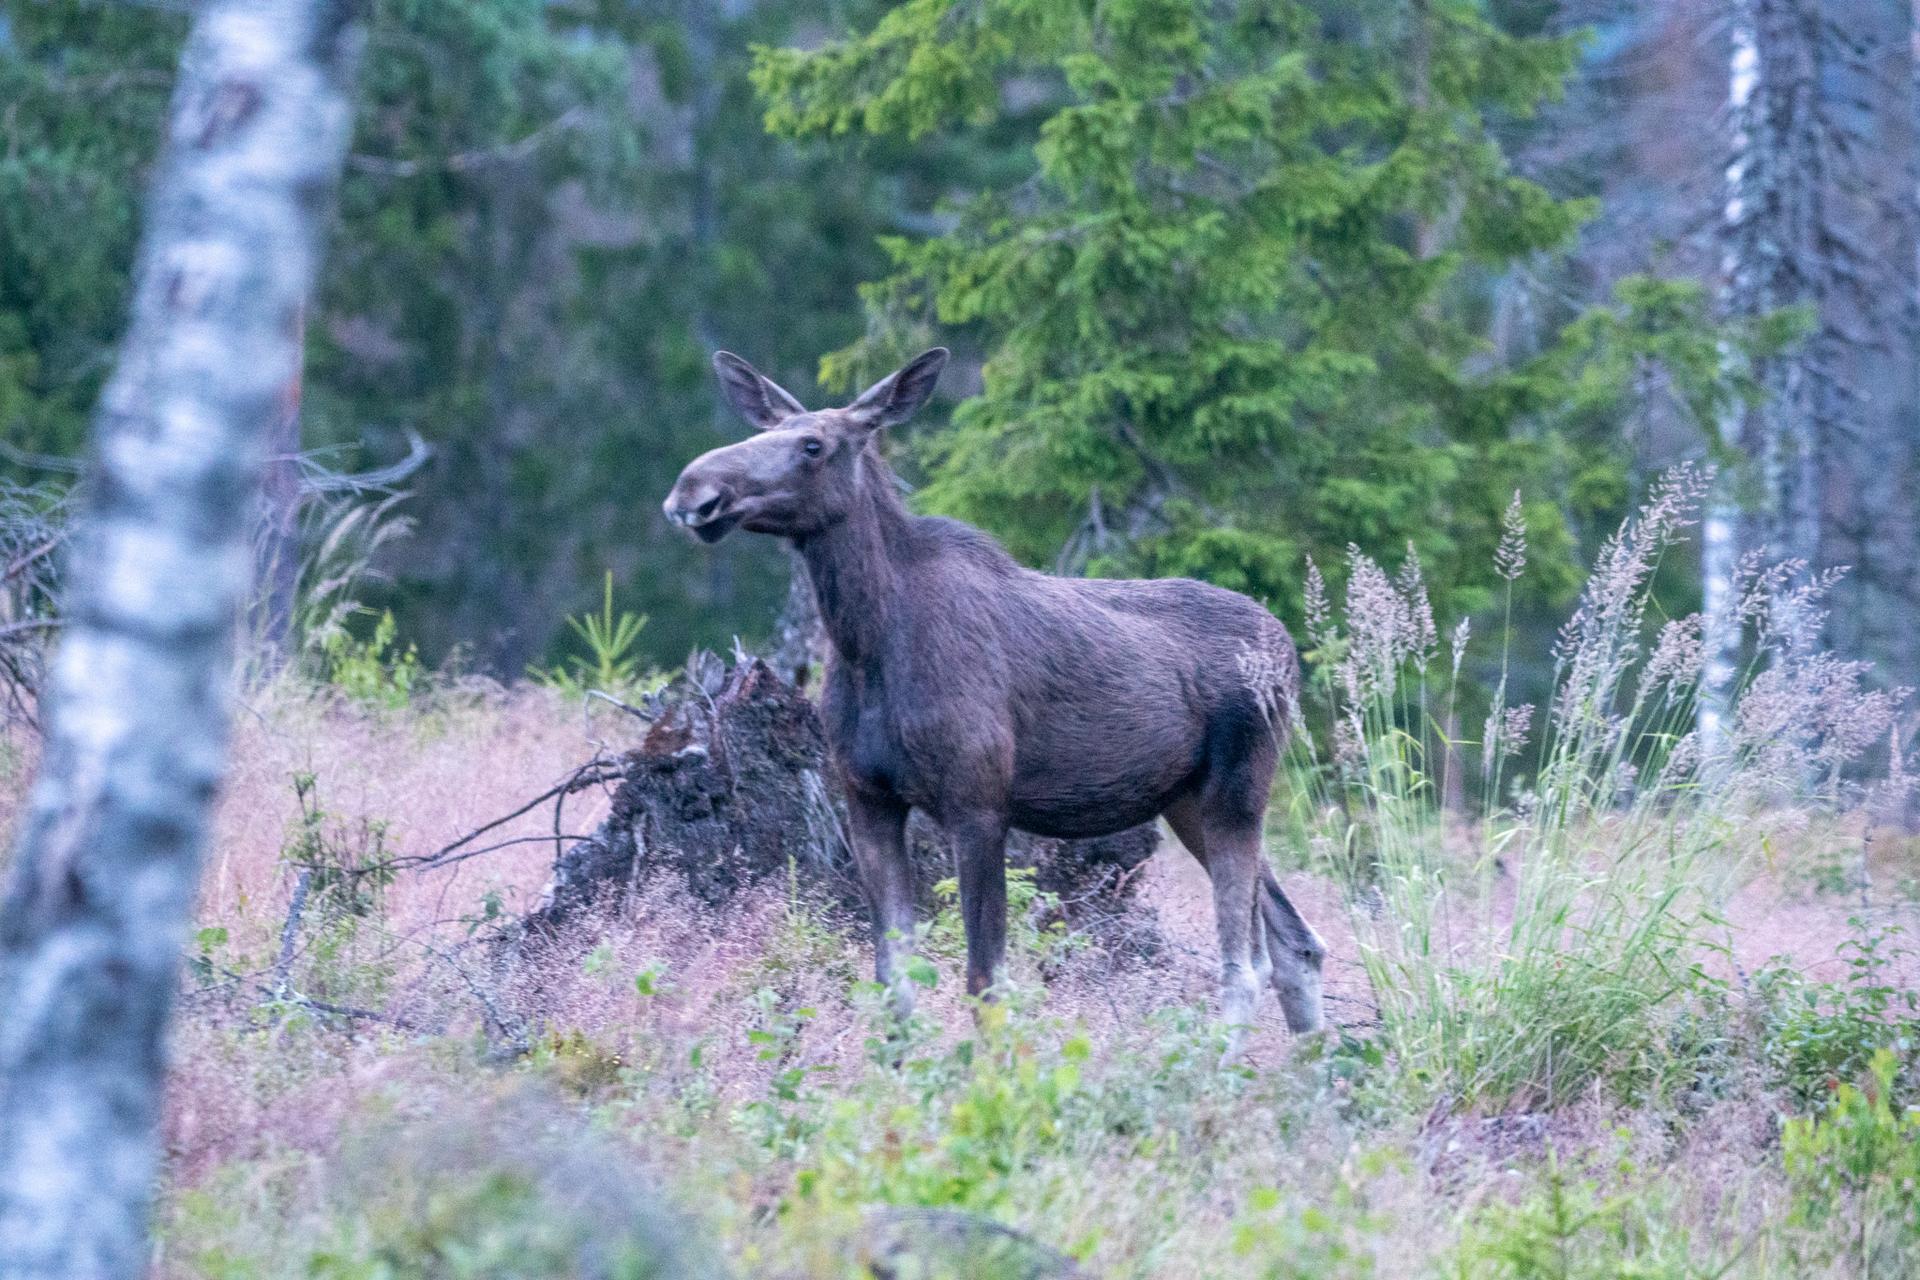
[(980, 856), (878, 830)]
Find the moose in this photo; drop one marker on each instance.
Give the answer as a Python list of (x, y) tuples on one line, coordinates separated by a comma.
[(991, 696)]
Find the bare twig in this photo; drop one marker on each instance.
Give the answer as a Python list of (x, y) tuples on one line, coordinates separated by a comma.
[(627, 707), (516, 1042), (20, 563), (464, 854), (317, 479), (579, 780), (39, 461)]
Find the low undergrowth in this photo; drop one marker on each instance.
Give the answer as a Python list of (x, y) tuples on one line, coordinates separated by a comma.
[(692, 1113)]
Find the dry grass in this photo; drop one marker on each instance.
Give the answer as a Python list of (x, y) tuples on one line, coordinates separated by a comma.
[(729, 1060), (431, 775)]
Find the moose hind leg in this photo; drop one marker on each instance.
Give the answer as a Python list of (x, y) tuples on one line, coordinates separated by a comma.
[(1233, 863), (1297, 953), (1223, 850), (878, 835)]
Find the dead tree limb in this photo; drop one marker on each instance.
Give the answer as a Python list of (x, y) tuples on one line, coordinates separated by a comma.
[(137, 705)]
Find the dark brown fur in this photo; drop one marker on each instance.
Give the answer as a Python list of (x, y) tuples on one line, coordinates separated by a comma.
[(993, 697)]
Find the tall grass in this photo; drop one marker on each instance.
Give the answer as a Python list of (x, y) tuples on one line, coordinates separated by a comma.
[(1519, 956)]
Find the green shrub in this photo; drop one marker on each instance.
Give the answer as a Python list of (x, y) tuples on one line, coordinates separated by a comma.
[(961, 1124), (1566, 1229), (339, 921), (1286, 1243), (1817, 1035), (375, 672), (1855, 1172)]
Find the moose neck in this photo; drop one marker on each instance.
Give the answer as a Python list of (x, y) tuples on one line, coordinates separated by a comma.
[(851, 564)]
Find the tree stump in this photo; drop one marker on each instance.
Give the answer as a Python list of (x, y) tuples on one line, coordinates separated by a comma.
[(731, 786)]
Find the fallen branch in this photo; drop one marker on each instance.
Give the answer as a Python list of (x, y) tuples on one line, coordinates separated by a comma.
[(323, 1006), (579, 780)]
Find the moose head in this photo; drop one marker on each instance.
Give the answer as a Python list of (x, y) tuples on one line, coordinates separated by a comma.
[(801, 473)]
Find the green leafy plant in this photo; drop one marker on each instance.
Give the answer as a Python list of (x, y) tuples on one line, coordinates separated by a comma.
[(1035, 927), (612, 663), (1817, 1035), (209, 944), (1287, 1242), (375, 672), (576, 1062), (967, 1118), (1565, 1228), (792, 1112), (1856, 1167), (346, 868)]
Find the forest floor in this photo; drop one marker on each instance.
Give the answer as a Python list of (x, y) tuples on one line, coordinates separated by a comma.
[(665, 1086)]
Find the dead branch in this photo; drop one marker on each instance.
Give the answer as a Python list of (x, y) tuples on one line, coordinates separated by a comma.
[(322, 1006), (592, 773), (290, 932)]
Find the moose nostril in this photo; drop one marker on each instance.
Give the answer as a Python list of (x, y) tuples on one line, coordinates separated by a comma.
[(707, 508)]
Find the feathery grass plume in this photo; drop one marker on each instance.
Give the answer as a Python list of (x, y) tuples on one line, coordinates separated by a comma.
[(1550, 952), (1679, 657), (1423, 637), (1506, 732), (1381, 631), (1510, 557), (1319, 611), (346, 536)]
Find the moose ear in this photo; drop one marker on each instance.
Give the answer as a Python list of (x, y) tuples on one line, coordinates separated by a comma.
[(764, 403), (896, 397)]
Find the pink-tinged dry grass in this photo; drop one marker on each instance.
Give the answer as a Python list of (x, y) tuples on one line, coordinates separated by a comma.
[(643, 1016), (424, 776)]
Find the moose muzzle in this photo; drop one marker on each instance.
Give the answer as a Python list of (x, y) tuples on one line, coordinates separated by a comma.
[(701, 507)]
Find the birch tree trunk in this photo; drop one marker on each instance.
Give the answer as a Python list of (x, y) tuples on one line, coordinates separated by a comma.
[(105, 871), (1721, 540)]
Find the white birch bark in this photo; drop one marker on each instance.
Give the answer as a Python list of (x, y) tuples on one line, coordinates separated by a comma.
[(105, 870), (1721, 527)]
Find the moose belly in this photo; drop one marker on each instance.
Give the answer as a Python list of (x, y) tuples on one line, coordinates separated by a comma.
[(1096, 788), (1068, 822)]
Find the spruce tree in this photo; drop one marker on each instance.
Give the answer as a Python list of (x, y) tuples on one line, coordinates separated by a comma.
[(1234, 311)]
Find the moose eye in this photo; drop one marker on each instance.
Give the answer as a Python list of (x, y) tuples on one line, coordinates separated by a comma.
[(811, 448)]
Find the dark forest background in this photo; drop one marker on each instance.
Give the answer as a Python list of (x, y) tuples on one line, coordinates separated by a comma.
[(1230, 285)]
